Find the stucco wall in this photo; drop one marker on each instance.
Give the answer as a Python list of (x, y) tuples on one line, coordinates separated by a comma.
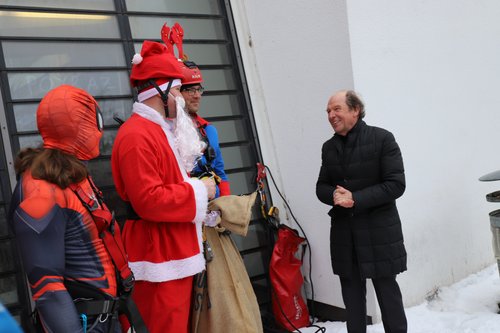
[(428, 71), (290, 71)]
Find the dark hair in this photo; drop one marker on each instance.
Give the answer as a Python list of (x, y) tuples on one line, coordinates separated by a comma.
[(51, 165), (353, 101)]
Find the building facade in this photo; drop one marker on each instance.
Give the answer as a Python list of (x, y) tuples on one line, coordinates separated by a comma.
[(90, 44), (428, 71)]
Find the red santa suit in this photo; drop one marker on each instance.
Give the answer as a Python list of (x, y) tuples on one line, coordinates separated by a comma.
[(165, 245)]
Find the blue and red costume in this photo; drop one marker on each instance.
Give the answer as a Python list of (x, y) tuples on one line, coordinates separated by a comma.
[(54, 213), (209, 133), (59, 244)]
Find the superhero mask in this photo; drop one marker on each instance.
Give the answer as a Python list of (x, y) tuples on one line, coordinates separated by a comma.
[(69, 119)]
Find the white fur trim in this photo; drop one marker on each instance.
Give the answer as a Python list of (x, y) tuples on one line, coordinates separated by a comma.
[(137, 59), (176, 83), (150, 114), (169, 270), (200, 195), (146, 94)]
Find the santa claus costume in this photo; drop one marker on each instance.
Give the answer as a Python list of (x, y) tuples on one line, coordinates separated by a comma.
[(162, 234)]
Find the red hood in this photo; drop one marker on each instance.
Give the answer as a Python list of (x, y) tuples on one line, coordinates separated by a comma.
[(67, 120)]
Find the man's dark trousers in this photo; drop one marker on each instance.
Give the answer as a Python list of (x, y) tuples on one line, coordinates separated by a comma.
[(388, 296)]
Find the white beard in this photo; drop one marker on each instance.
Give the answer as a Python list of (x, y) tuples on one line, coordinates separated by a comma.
[(187, 140)]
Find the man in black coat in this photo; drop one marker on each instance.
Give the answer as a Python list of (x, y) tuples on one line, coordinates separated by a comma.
[(361, 176)]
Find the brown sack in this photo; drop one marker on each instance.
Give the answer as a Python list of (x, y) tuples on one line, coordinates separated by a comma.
[(223, 297), (235, 211)]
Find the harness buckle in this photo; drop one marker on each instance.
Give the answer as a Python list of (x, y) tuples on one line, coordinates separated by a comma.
[(128, 283)]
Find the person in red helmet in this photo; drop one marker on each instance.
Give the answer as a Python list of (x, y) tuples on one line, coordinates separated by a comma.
[(212, 160), (152, 156), (66, 261)]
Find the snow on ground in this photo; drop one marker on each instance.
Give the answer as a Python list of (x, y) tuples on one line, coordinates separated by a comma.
[(469, 306)]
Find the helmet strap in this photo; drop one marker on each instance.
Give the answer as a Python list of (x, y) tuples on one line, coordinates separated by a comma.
[(163, 94)]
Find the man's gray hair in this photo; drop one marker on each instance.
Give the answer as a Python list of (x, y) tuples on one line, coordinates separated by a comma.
[(353, 101)]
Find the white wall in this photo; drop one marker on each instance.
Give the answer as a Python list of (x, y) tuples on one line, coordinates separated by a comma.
[(428, 72), (291, 70)]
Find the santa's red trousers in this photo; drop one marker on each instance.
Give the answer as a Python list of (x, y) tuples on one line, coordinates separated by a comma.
[(164, 306)]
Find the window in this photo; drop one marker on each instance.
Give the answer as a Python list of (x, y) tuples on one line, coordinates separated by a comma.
[(89, 44)]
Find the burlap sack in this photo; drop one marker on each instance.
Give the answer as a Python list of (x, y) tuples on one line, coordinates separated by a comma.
[(223, 297), (235, 211)]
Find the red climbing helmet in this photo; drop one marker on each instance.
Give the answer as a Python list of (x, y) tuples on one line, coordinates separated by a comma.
[(190, 73)]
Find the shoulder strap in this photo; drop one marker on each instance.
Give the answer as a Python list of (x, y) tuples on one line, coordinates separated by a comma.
[(209, 152), (109, 232)]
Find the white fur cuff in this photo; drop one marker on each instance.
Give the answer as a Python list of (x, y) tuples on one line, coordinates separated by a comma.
[(201, 198)]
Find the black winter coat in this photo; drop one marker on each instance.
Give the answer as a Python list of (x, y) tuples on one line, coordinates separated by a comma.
[(367, 162)]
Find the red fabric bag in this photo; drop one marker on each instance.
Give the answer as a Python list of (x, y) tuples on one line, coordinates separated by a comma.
[(289, 308)]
